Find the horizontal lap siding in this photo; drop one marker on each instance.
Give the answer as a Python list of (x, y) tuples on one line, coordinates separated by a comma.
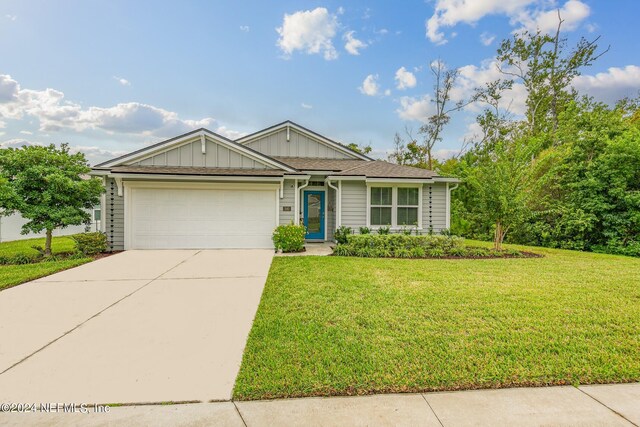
[(299, 145), (354, 204), (288, 199), (434, 210), (113, 215)]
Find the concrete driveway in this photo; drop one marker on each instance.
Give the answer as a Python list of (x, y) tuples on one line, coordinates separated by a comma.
[(139, 326)]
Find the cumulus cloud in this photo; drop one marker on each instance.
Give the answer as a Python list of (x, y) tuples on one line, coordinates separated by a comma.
[(573, 12), (11, 17), (527, 14), (122, 81), (405, 79), (306, 106), (370, 85), (352, 44), (310, 31), (612, 85), (416, 109), (55, 113), (245, 28)]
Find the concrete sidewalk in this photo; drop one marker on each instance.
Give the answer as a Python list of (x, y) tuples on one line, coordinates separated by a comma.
[(598, 405)]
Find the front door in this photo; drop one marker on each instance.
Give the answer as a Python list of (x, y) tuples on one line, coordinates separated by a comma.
[(314, 214)]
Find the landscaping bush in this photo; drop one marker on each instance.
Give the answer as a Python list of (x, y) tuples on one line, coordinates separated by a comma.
[(289, 238), (90, 243), (384, 230), (18, 259), (365, 230), (410, 246), (341, 234)]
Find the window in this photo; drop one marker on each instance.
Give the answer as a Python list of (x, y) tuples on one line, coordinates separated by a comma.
[(394, 206), (381, 205), (407, 206)]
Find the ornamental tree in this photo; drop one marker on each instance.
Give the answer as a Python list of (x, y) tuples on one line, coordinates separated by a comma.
[(48, 186)]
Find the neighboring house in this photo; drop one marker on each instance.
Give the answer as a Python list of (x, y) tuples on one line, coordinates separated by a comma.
[(11, 226), (202, 190)]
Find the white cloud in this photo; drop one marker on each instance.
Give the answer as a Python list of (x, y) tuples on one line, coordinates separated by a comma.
[(122, 81), (26, 132), (573, 12), (486, 38), (340, 10), (370, 85), (17, 143), (352, 44), (612, 85), (405, 79), (54, 113), (310, 31), (418, 109), (245, 28), (524, 13), (11, 17), (387, 92), (306, 106)]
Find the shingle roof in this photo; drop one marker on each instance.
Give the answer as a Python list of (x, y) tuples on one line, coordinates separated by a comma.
[(382, 169), (183, 170), (318, 164)]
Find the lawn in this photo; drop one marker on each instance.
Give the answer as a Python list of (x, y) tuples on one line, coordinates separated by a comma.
[(61, 244), (345, 326), (11, 275)]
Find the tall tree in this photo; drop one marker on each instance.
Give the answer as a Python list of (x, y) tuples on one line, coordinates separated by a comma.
[(48, 186), (546, 67)]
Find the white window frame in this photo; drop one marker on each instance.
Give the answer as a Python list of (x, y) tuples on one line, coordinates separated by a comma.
[(398, 205), (394, 204), (370, 189)]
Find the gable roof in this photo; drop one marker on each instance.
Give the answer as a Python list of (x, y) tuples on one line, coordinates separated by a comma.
[(173, 142), (319, 164), (382, 169), (316, 136), (200, 170)]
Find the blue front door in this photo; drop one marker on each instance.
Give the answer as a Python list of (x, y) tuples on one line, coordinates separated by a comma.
[(314, 214)]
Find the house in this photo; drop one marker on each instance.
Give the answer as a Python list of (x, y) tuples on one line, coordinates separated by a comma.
[(202, 190), (11, 227)]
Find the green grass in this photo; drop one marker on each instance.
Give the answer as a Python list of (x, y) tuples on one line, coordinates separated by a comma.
[(12, 275), (345, 326), (62, 244)]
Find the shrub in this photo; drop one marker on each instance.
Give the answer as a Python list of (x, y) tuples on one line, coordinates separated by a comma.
[(22, 259), (407, 231), (418, 252), (341, 234), (289, 238), (90, 243), (365, 230), (384, 230), (342, 250), (435, 252)]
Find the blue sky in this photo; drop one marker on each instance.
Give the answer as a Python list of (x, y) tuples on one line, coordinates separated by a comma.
[(111, 76)]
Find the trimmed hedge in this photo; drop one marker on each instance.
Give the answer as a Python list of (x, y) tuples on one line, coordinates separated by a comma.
[(406, 246), (289, 238), (90, 243)]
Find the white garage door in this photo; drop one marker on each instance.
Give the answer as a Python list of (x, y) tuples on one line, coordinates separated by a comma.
[(201, 218)]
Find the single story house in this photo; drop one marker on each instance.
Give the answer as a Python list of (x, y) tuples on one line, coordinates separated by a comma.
[(202, 190)]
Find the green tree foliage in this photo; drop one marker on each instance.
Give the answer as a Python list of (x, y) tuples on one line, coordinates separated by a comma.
[(48, 186), (567, 173)]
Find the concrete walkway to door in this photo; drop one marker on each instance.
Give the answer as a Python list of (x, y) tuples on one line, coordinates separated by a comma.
[(139, 326)]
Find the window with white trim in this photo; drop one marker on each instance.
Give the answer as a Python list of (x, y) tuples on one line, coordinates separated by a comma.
[(381, 205), (395, 206), (407, 206)]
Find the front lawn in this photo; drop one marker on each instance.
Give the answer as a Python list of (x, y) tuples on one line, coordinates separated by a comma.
[(62, 244), (11, 275), (343, 326)]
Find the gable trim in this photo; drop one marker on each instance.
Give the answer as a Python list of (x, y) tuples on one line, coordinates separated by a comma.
[(189, 137), (307, 132)]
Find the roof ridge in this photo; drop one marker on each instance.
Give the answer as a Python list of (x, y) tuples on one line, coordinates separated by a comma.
[(366, 163)]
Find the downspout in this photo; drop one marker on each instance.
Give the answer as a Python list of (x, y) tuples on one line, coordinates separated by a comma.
[(338, 202), (297, 212)]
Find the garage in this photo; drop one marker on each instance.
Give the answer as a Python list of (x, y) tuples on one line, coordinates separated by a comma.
[(205, 216)]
